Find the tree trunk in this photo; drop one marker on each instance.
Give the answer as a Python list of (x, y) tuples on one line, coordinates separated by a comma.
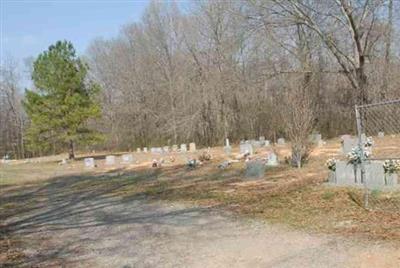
[(388, 43), (71, 153)]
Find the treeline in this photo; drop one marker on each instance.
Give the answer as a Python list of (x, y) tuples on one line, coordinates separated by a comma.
[(234, 69), (241, 69)]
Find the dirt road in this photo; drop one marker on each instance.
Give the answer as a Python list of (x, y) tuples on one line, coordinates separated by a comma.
[(107, 232)]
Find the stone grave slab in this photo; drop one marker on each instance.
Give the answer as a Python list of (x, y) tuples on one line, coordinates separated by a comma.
[(255, 168), (127, 158), (110, 160), (89, 162), (192, 147), (183, 148), (272, 160), (245, 148), (281, 141)]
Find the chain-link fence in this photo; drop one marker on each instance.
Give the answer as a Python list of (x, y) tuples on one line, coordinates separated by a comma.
[(379, 124)]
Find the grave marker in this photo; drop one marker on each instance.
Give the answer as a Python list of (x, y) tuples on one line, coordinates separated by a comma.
[(89, 162), (183, 148), (245, 148), (272, 160), (110, 160), (255, 168), (127, 158), (281, 141), (192, 147)]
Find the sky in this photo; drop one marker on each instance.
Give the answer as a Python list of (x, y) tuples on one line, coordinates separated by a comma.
[(29, 27)]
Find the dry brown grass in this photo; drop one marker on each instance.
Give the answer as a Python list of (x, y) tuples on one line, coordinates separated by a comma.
[(297, 198)]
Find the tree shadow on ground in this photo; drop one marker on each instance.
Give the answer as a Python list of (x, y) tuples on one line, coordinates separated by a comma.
[(83, 202)]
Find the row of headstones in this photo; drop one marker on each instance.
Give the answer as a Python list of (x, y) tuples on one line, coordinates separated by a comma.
[(349, 142), (110, 160), (166, 149), (375, 177)]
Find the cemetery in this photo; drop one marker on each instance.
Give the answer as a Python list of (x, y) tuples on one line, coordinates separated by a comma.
[(246, 133), (250, 174)]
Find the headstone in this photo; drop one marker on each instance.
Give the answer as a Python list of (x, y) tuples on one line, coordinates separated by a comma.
[(145, 150), (255, 168), (89, 162), (110, 160), (174, 148), (245, 148), (266, 143), (262, 138), (375, 175), (228, 150), (166, 149), (350, 175), (391, 179), (381, 134), (138, 150), (256, 144), (127, 158), (272, 160), (192, 147), (347, 174), (183, 148), (152, 150), (281, 141), (317, 138), (227, 142), (348, 143)]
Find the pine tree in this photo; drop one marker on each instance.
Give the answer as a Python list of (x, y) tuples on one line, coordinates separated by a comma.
[(63, 100)]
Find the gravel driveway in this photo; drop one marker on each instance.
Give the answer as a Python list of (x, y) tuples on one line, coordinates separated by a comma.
[(106, 232)]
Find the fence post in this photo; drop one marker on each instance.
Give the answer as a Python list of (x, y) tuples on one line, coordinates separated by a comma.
[(362, 157)]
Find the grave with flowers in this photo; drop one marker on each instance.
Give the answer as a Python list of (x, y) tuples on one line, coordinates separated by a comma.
[(378, 174)]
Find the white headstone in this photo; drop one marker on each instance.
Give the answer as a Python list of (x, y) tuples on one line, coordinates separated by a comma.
[(272, 160), (145, 150), (227, 142), (183, 147), (174, 148), (245, 148), (138, 150), (281, 141), (348, 143), (228, 150), (256, 144), (110, 160), (262, 138), (166, 149), (381, 134), (266, 143), (89, 162), (127, 158), (192, 147)]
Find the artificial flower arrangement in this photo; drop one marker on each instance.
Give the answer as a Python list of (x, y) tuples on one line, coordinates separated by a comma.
[(391, 166), (354, 157), (331, 164)]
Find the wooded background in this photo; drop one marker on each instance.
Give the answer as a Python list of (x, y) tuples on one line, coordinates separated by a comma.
[(236, 69)]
